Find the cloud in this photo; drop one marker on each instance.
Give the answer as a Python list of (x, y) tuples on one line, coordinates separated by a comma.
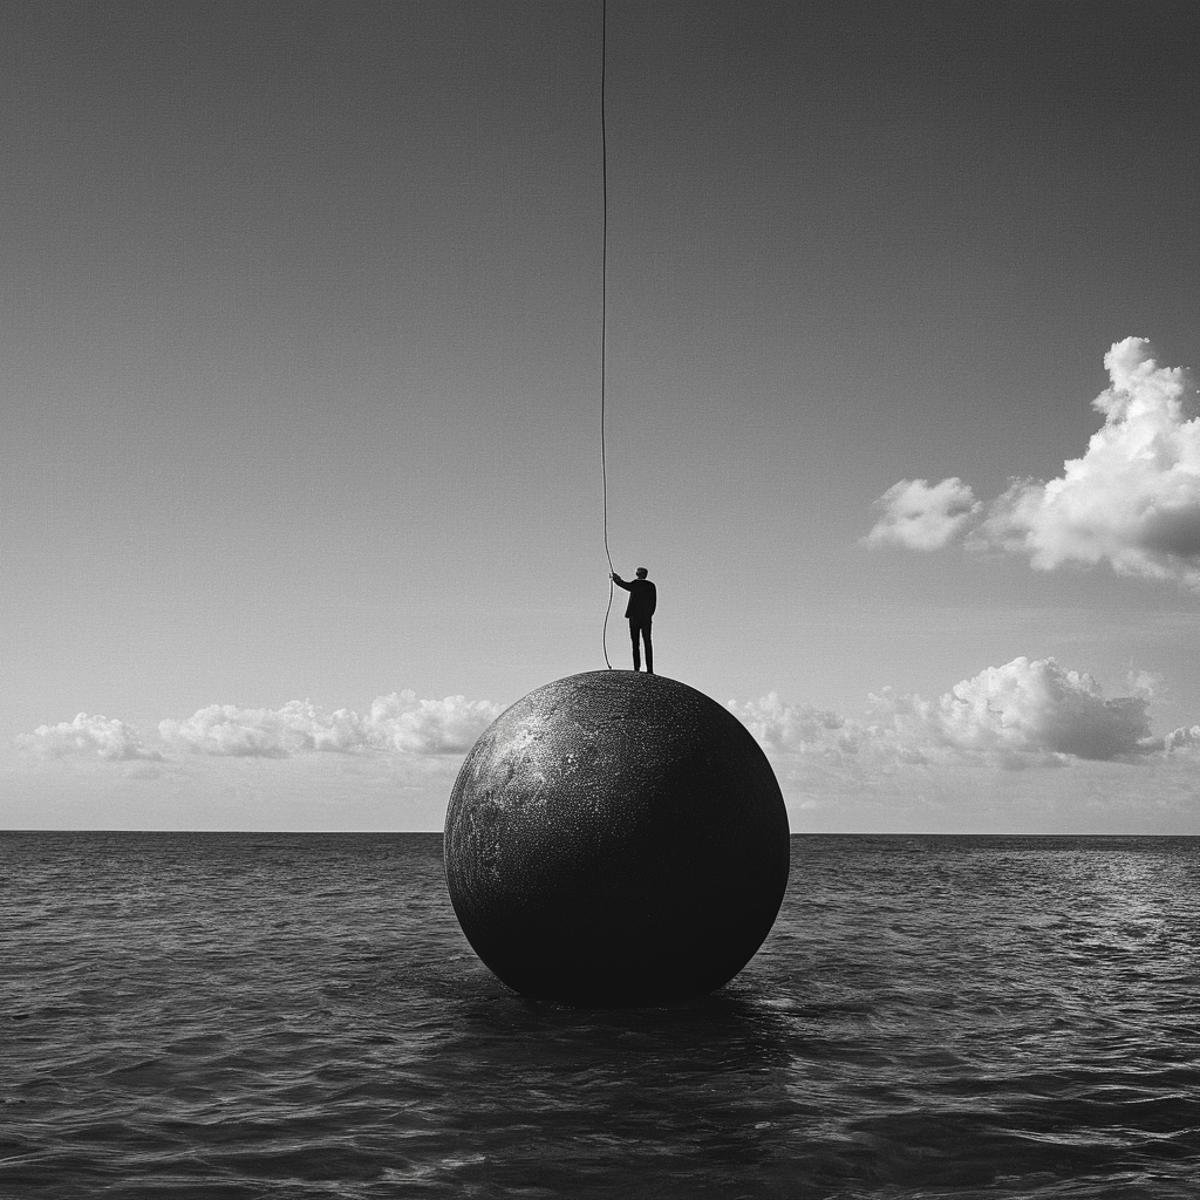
[(296, 728), (87, 737), (450, 726), (923, 517), (1024, 713), (1186, 737), (399, 722), (794, 729), (904, 764), (1132, 501), (1027, 712), (1030, 708)]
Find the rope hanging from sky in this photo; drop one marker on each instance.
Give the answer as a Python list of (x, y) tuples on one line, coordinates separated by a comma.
[(604, 307)]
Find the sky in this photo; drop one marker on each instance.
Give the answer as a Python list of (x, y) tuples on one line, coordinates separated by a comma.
[(301, 458)]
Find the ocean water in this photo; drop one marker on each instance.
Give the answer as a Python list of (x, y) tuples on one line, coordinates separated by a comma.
[(223, 1016)]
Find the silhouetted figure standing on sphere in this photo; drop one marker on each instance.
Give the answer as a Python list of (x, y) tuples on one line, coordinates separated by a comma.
[(642, 600)]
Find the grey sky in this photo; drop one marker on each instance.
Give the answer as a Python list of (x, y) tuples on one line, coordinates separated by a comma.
[(301, 325)]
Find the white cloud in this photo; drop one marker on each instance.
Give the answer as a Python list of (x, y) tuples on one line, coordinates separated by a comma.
[(450, 726), (399, 722), (87, 737), (1132, 501), (906, 764), (1025, 708), (789, 728), (1025, 712), (1186, 737), (297, 727), (921, 516)]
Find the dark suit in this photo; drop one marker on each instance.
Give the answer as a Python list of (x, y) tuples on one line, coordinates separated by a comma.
[(643, 598)]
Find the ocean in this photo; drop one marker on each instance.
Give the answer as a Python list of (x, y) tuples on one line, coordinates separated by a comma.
[(299, 1015)]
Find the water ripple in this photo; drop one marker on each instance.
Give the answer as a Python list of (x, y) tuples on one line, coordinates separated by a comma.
[(221, 1017)]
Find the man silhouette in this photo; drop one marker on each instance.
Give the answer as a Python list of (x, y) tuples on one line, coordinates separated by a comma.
[(643, 596)]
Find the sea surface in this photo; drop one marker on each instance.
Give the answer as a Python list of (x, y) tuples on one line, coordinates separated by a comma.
[(294, 1016)]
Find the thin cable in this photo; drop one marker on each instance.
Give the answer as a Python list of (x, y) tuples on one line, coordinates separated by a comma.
[(604, 306)]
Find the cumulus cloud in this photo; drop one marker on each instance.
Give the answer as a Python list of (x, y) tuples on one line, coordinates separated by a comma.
[(1131, 501), (1186, 737), (297, 727), (1025, 707), (87, 737), (1024, 713), (450, 726), (922, 516), (399, 721), (1184, 741), (794, 728)]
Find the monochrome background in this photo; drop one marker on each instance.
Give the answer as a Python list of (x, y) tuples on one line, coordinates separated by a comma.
[(300, 363)]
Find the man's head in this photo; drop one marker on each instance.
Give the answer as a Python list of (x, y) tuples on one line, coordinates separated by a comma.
[(642, 572)]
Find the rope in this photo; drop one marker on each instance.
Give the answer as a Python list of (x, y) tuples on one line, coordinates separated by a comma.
[(604, 307)]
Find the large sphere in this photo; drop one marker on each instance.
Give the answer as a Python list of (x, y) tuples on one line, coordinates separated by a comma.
[(616, 838)]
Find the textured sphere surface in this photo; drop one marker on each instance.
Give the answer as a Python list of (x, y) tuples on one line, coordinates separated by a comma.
[(616, 838)]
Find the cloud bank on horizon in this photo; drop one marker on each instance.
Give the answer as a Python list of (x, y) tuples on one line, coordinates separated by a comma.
[(1024, 713), (399, 722), (1132, 501), (1028, 712), (88, 737)]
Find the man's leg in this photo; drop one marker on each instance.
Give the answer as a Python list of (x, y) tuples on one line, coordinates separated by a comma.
[(649, 649), (637, 650)]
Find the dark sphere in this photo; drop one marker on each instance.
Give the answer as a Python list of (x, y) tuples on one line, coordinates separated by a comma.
[(616, 838)]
